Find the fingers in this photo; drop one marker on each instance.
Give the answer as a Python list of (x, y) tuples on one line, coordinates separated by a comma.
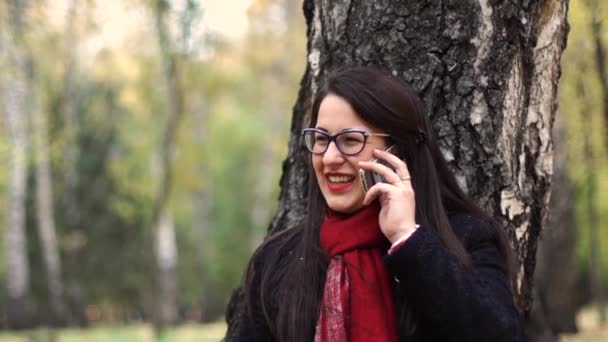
[(380, 169), (386, 192), (375, 191), (400, 172), (398, 164)]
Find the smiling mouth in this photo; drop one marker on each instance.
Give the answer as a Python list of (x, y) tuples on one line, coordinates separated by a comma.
[(337, 183), (340, 179)]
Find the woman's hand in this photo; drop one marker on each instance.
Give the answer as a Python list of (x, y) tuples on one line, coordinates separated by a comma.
[(398, 213)]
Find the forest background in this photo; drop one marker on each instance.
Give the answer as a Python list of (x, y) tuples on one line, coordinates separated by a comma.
[(153, 133)]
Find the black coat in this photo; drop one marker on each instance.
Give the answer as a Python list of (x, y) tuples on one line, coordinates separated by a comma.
[(434, 295)]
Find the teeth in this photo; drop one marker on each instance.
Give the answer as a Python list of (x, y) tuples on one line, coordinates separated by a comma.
[(340, 179)]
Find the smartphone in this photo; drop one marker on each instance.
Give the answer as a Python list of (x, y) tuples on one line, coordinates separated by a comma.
[(369, 178)]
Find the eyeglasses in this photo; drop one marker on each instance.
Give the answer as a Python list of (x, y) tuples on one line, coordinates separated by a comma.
[(349, 142)]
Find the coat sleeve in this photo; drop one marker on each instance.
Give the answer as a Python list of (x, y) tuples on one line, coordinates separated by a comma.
[(452, 303)]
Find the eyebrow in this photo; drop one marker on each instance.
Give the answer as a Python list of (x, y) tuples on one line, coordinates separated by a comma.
[(344, 129)]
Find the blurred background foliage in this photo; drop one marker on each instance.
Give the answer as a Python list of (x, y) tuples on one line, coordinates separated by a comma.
[(583, 105), (237, 88), (237, 91)]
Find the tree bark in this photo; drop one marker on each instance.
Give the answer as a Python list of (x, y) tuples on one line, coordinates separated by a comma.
[(14, 93), (488, 73)]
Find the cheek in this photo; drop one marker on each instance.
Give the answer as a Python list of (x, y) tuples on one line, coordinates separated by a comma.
[(362, 157), (366, 155), (317, 164)]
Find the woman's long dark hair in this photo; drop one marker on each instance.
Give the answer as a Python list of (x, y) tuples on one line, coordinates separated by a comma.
[(287, 285)]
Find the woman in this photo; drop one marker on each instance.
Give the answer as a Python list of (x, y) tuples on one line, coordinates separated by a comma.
[(412, 259)]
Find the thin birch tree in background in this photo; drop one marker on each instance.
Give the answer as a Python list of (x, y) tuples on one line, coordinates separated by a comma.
[(597, 29), (204, 197), (68, 107), (166, 249), (44, 206), (595, 225), (14, 70), (590, 190)]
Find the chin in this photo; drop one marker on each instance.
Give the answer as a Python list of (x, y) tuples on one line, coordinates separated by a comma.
[(346, 208)]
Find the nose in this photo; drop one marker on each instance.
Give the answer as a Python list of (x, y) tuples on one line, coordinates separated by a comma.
[(332, 155)]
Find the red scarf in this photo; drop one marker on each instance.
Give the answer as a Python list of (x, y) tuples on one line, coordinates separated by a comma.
[(357, 301)]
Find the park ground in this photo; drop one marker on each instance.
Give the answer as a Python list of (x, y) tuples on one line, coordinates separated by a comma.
[(588, 322)]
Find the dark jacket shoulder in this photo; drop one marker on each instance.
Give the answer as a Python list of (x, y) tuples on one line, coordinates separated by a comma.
[(472, 230)]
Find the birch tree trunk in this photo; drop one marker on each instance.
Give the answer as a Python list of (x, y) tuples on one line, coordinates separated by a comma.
[(166, 249), (166, 258), (44, 207), (14, 92), (488, 72)]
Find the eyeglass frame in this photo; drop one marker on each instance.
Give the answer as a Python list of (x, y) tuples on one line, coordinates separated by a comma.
[(332, 138)]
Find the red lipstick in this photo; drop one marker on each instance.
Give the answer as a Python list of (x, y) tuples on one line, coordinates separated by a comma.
[(337, 187)]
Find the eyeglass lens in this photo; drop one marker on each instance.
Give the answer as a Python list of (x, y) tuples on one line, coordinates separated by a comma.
[(349, 143)]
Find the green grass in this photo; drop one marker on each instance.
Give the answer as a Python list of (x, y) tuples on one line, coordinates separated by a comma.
[(213, 332)]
